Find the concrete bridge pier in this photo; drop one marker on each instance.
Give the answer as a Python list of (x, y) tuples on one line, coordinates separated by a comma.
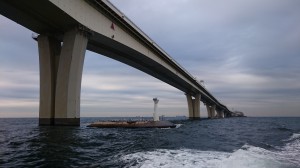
[(194, 106), (209, 115), (220, 114), (211, 110), (60, 77)]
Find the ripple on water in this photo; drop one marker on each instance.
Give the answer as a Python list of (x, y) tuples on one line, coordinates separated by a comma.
[(208, 143)]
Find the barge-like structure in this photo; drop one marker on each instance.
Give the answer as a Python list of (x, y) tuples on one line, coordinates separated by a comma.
[(133, 124), (155, 123)]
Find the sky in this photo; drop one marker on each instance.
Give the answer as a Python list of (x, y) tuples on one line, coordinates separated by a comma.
[(246, 51)]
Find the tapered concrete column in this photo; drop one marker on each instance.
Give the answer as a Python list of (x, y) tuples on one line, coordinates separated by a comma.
[(60, 78), (193, 106), (220, 114), (190, 105), (213, 111), (197, 107), (67, 96), (49, 50), (208, 108)]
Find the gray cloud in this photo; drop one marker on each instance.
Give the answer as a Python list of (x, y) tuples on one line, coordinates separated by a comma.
[(246, 51)]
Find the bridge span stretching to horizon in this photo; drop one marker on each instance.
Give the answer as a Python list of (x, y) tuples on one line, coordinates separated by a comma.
[(68, 28)]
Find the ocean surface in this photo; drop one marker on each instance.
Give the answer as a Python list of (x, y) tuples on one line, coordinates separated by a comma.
[(232, 142)]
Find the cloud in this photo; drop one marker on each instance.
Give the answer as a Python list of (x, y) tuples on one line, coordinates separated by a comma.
[(18, 49), (125, 91)]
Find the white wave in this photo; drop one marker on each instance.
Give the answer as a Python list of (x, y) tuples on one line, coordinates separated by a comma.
[(178, 125), (164, 158), (255, 157), (292, 149), (294, 136), (248, 156)]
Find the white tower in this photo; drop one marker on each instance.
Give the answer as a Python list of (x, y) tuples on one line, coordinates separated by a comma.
[(155, 116)]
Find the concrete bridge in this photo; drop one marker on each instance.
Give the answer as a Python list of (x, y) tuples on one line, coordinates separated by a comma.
[(67, 28)]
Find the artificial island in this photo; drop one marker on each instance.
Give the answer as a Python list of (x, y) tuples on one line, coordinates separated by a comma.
[(155, 123)]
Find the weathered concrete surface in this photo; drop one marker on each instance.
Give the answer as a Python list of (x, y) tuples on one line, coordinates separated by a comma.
[(194, 106), (60, 78)]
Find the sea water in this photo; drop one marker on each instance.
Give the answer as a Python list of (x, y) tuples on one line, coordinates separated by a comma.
[(231, 142)]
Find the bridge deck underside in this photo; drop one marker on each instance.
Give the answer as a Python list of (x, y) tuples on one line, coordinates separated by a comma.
[(43, 17)]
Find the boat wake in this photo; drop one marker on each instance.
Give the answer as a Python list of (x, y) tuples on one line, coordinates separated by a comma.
[(178, 125), (248, 156)]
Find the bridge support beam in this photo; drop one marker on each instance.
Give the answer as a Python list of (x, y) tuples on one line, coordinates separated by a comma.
[(60, 78), (211, 110), (194, 106)]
